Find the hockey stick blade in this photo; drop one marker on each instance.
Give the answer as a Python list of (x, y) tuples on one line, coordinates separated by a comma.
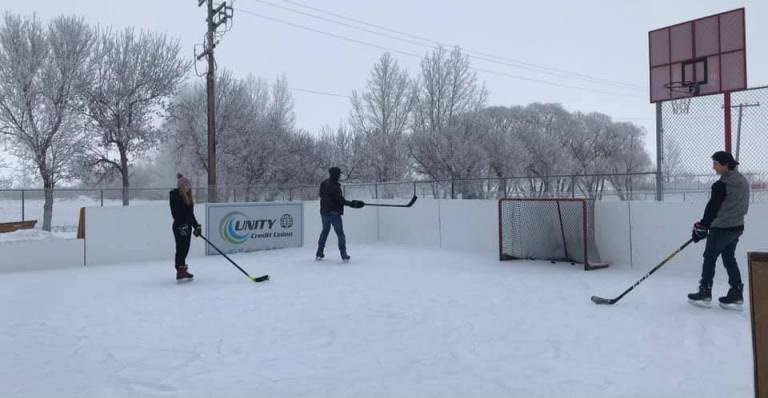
[(409, 204), (600, 300), (262, 278)]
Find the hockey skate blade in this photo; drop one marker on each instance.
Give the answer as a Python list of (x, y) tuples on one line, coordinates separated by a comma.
[(600, 300), (699, 303), (183, 281), (732, 307)]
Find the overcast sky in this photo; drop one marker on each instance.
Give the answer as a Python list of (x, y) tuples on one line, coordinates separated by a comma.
[(582, 44)]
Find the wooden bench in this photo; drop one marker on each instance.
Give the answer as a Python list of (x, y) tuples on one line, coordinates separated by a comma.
[(17, 225)]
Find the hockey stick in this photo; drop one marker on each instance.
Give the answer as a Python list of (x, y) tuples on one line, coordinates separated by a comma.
[(600, 300), (413, 200), (255, 279)]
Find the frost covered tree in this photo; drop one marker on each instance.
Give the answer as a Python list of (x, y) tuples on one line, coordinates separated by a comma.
[(258, 147), (444, 142), (43, 73), (134, 76), (381, 114)]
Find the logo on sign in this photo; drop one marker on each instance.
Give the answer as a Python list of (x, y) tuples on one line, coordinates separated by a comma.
[(229, 227), (286, 221)]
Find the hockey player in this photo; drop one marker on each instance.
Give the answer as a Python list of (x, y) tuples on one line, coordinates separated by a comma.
[(721, 226), (332, 204), (184, 224)]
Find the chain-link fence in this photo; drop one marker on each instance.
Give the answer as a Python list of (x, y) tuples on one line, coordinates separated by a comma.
[(631, 186), (27, 204), (694, 128)]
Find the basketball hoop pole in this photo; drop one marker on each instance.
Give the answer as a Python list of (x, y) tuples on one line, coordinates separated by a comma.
[(727, 106)]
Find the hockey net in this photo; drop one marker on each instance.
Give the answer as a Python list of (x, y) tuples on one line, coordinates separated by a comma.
[(549, 229)]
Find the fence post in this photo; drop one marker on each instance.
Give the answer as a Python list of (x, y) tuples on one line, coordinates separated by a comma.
[(414, 189), (452, 189), (101, 191), (573, 186), (659, 153), (376, 190), (22, 205)]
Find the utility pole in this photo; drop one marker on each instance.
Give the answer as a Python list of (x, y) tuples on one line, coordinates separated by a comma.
[(215, 18), (738, 128)]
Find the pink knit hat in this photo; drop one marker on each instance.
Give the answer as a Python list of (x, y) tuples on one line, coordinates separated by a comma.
[(182, 181)]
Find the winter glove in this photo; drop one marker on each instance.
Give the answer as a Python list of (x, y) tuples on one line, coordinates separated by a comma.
[(699, 232), (357, 204), (197, 230)]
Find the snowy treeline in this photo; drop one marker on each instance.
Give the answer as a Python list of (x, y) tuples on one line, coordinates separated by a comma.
[(435, 125)]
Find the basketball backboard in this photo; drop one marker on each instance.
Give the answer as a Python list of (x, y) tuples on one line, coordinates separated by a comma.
[(699, 57)]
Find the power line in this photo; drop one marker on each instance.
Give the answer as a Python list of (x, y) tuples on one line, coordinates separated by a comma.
[(482, 55), (361, 42), (319, 92), (299, 26)]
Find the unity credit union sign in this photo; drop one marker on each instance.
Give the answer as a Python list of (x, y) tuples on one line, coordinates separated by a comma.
[(244, 227)]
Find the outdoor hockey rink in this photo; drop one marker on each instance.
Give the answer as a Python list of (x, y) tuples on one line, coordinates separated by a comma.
[(398, 321)]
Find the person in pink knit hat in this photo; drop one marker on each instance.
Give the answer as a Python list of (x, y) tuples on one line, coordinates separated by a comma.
[(184, 224)]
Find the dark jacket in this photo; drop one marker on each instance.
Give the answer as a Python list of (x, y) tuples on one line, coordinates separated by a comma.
[(331, 198), (182, 214), (728, 203)]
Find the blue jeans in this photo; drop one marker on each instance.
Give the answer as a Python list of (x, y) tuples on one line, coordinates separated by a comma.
[(722, 243), (335, 220)]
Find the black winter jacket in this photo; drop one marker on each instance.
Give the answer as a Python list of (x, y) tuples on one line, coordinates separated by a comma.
[(331, 198), (182, 214)]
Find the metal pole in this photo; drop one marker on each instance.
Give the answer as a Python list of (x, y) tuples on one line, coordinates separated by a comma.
[(22, 205), (659, 153), (210, 76), (102, 197), (738, 131), (727, 110), (573, 186)]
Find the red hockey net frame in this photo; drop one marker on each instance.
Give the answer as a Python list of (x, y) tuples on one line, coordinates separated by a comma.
[(552, 230)]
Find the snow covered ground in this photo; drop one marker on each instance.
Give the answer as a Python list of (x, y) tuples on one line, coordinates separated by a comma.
[(66, 212), (26, 234), (397, 322)]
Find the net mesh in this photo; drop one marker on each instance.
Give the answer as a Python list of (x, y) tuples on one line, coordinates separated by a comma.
[(548, 229)]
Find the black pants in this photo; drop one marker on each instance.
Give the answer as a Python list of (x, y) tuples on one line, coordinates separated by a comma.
[(335, 220), (183, 235), (722, 243)]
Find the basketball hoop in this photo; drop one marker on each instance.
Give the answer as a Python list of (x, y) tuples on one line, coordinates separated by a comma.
[(681, 106), (684, 91), (687, 88)]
